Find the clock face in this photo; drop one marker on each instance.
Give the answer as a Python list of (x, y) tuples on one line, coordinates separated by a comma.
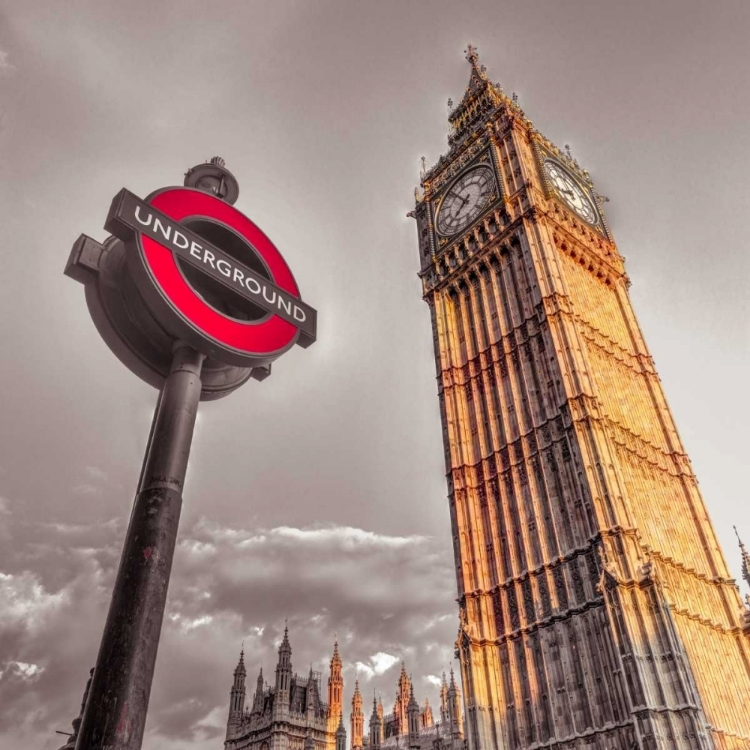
[(465, 200), (570, 191)]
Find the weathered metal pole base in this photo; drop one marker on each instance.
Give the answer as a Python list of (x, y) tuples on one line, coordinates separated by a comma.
[(115, 713)]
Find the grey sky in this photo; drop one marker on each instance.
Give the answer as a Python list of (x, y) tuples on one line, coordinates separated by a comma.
[(319, 494)]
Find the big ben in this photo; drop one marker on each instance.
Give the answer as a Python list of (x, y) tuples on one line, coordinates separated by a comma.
[(596, 607)]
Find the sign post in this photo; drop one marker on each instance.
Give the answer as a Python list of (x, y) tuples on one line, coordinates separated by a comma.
[(115, 713), (174, 303)]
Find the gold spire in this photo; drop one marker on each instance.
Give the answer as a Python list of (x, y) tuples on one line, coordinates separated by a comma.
[(472, 55), (335, 658), (480, 98)]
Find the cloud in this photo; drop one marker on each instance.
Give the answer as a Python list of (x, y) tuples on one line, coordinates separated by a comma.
[(26, 604), (433, 679), (387, 597), (93, 483), (21, 669), (378, 664), (96, 473), (5, 67)]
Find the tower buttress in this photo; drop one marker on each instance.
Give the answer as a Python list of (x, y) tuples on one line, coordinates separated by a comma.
[(376, 725), (382, 722), (412, 710), (341, 735), (312, 696), (357, 718), (335, 690), (444, 700), (258, 697), (745, 558), (283, 676), (402, 700), (237, 697), (454, 709)]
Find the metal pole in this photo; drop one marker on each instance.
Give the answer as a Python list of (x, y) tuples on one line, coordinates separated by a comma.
[(115, 713)]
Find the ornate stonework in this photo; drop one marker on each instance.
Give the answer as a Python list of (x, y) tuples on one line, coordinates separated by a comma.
[(597, 610), (291, 715)]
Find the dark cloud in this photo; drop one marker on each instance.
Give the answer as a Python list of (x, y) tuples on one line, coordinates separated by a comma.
[(386, 597)]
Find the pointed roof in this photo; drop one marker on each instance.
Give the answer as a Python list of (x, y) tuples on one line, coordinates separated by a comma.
[(341, 731), (336, 659), (480, 98), (745, 558), (260, 676), (240, 668), (412, 700), (285, 645), (403, 678)]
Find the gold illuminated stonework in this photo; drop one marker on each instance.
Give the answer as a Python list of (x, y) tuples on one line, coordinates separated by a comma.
[(597, 610)]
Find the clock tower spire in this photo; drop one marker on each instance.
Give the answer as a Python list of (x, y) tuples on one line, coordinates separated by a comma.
[(595, 605)]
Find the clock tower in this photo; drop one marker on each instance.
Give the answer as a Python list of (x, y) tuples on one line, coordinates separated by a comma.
[(596, 607)]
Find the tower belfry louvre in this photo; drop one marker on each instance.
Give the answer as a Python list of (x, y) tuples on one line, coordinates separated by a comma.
[(597, 610)]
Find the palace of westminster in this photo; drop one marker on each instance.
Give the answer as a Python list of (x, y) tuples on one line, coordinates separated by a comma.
[(596, 607)]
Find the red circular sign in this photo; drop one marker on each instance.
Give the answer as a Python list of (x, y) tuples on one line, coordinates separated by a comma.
[(235, 341)]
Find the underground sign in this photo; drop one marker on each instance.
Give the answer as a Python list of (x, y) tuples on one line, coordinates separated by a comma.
[(210, 276)]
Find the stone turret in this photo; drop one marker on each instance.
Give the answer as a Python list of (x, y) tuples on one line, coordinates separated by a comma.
[(341, 735), (283, 678), (454, 709), (412, 710), (258, 697), (376, 726), (335, 690), (380, 716), (444, 700), (237, 697), (745, 556), (357, 719), (402, 700), (313, 699)]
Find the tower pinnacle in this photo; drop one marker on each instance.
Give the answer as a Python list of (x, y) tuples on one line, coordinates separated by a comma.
[(472, 54), (335, 689), (237, 696), (480, 100), (357, 718), (745, 558), (240, 668)]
